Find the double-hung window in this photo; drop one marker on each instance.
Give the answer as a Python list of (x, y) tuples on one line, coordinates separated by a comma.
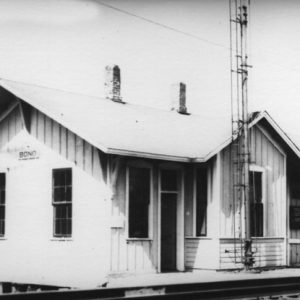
[(256, 203), (62, 202), (201, 202), (139, 183), (2, 204)]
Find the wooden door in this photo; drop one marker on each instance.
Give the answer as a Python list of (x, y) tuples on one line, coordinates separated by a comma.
[(168, 231), (294, 220), (295, 232)]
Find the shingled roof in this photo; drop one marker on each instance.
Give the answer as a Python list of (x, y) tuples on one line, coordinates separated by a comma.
[(134, 130)]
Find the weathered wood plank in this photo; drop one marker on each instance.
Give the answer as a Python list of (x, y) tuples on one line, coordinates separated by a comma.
[(71, 145), (48, 132), (79, 144), (56, 137), (12, 124), (33, 123), (122, 250), (114, 249), (19, 122), (88, 157), (189, 209), (63, 141), (258, 148), (131, 255), (96, 165)]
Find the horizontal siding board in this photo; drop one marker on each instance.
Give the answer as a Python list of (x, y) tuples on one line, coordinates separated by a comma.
[(258, 254), (267, 252), (254, 241), (256, 258)]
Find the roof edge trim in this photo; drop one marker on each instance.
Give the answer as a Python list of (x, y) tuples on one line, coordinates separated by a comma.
[(277, 128), (10, 108), (52, 116), (148, 155)]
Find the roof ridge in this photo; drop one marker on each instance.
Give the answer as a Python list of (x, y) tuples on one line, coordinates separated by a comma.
[(102, 98)]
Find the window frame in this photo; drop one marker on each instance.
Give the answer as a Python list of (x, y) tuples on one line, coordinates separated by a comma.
[(180, 211), (142, 165), (262, 170), (62, 203), (195, 202), (2, 235)]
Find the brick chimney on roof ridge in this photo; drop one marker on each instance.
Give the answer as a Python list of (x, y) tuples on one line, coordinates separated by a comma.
[(113, 83), (179, 98)]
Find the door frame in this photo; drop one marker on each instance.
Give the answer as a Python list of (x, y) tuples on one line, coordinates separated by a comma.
[(179, 215)]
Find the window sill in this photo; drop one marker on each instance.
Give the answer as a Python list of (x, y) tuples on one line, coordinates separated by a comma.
[(62, 239), (198, 237), (138, 239), (266, 237)]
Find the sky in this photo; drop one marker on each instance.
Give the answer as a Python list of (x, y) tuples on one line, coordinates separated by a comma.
[(66, 44)]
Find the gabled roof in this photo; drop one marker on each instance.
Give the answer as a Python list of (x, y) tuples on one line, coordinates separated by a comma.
[(134, 130)]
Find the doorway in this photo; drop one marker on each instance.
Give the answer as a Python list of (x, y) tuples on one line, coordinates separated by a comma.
[(168, 231), (171, 220)]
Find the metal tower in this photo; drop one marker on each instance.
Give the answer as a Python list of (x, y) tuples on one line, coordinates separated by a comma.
[(240, 155)]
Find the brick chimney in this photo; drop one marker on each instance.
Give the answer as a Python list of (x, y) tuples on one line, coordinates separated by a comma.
[(179, 98), (113, 83)]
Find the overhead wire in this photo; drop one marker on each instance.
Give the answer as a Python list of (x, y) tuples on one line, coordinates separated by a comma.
[(46, 87), (163, 25), (188, 34), (176, 30)]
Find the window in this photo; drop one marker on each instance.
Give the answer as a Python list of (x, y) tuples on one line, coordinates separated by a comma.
[(139, 201), (169, 180), (256, 204), (62, 202), (2, 204), (201, 202)]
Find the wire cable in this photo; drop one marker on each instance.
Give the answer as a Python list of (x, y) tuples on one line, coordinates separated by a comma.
[(163, 25)]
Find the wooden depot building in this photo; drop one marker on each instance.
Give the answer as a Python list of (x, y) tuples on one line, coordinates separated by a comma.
[(91, 187)]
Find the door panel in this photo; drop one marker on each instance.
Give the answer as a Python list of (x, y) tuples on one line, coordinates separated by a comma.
[(168, 231)]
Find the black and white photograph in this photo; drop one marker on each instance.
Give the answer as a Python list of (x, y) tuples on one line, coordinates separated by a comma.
[(149, 149)]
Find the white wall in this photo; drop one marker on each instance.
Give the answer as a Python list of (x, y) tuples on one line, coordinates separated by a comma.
[(29, 253)]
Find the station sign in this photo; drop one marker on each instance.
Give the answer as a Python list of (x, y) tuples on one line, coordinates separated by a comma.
[(28, 154)]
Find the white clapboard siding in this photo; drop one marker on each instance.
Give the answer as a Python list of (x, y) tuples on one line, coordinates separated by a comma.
[(265, 153), (127, 254), (10, 126), (201, 253), (139, 256), (66, 143), (267, 252)]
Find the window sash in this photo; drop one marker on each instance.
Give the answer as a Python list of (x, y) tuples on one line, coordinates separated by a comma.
[(256, 203), (62, 220), (200, 202), (139, 200), (2, 203), (2, 195), (169, 180), (62, 202), (62, 194), (2, 219)]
